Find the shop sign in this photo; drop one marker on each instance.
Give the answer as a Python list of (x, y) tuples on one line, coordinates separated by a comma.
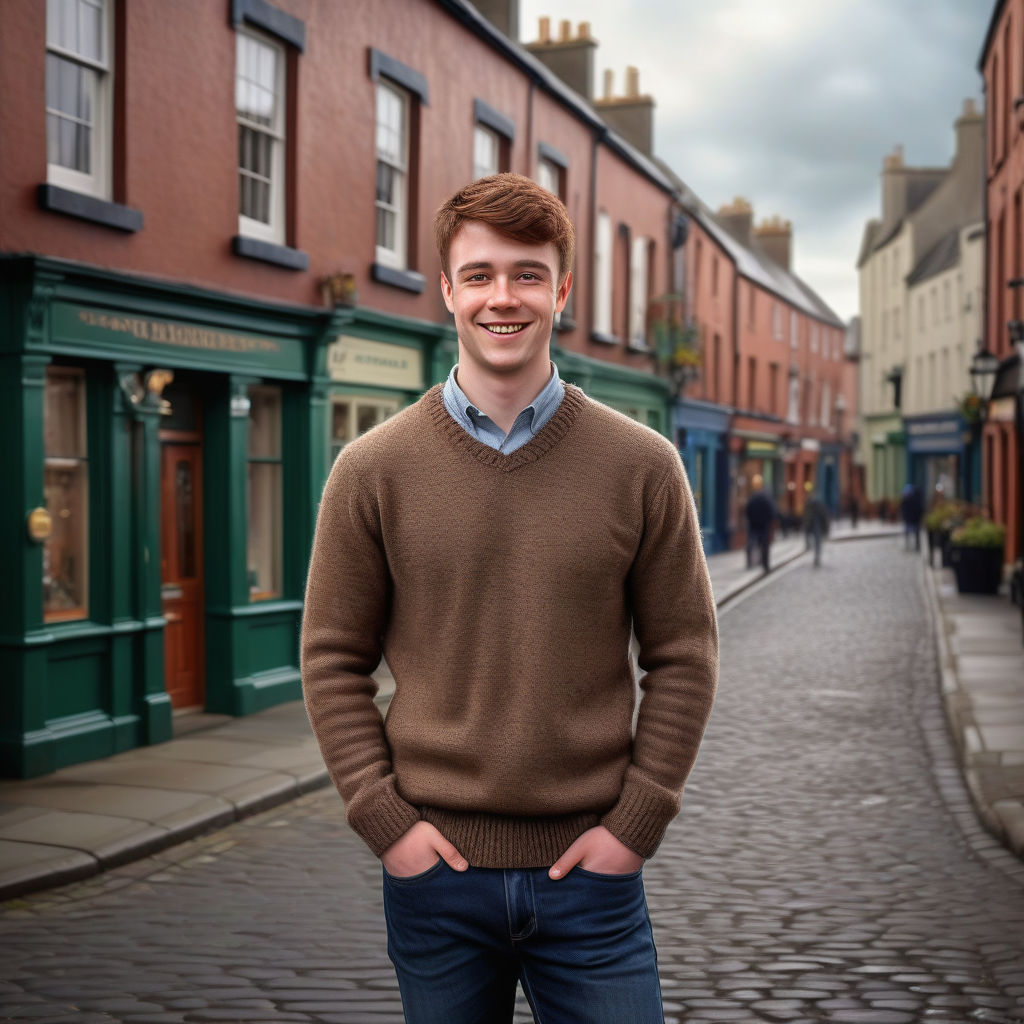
[(360, 361), (138, 333), (1001, 410)]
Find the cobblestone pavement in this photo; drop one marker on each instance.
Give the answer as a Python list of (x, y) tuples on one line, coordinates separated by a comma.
[(827, 866)]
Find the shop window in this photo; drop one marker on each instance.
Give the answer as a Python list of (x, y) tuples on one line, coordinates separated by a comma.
[(352, 415), (79, 95), (260, 110), (66, 491), (264, 494)]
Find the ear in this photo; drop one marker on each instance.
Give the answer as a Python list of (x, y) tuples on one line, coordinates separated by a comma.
[(562, 293), (446, 293)]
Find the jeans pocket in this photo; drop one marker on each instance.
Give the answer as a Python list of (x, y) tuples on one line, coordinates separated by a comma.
[(434, 869), (630, 876)]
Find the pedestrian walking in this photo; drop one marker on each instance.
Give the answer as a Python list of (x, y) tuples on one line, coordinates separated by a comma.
[(761, 514), (496, 542), (816, 523), (911, 512)]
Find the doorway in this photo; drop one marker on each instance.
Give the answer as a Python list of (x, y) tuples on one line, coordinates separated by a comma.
[(181, 554)]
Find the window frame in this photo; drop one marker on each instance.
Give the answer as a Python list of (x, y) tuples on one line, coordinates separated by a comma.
[(256, 595), (494, 140), (274, 231), (639, 287), (98, 182), (603, 270), (80, 611), (389, 405), (398, 257)]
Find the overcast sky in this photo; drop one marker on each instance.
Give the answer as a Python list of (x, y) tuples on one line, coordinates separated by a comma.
[(792, 103)]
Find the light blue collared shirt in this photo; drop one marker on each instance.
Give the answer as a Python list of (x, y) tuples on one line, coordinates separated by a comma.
[(483, 429)]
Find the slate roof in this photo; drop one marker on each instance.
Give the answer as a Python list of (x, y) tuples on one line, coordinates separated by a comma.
[(943, 255)]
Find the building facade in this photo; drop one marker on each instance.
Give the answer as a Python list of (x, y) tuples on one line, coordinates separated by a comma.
[(919, 277), (202, 310), (1002, 67)]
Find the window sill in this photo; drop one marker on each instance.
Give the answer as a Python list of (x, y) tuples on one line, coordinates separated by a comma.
[(269, 252), (408, 280), (604, 339), (565, 324), (86, 207)]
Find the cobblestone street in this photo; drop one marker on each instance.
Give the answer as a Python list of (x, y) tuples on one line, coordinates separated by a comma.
[(827, 865)]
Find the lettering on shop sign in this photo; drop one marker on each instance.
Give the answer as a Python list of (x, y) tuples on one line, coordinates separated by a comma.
[(164, 333), (361, 361), (940, 427)]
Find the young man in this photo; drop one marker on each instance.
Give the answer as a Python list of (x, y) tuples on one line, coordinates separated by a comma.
[(496, 542)]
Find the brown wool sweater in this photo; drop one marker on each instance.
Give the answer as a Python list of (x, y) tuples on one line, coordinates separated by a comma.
[(501, 589)]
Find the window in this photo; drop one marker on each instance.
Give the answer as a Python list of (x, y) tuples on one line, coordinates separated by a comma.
[(814, 338), (392, 174), (793, 410), (79, 95), (66, 492), (638, 294), (264, 494), (751, 383), (773, 387), (352, 415), (260, 111), (776, 321), (751, 300), (947, 300), (826, 404), (714, 276), (920, 313), (794, 329), (486, 152), (549, 176), (603, 276)]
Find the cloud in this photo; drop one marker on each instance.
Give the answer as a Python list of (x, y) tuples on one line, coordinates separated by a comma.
[(793, 103)]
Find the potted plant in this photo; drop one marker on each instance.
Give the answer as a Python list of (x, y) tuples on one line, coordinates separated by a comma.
[(976, 555), (940, 521)]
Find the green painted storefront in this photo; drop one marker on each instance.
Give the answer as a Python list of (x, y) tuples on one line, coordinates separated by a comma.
[(165, 451)]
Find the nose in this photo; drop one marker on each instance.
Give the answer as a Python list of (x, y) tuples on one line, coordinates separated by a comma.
[(502, 296)]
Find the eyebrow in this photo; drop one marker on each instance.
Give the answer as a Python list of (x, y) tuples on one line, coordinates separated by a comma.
[(518, 265)]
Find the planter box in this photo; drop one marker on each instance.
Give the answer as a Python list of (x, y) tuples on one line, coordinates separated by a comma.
[(978, 570)]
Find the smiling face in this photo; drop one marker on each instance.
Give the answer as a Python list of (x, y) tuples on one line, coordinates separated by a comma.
[(504, 295)]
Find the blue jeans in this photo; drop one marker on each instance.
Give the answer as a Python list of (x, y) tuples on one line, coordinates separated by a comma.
[(582, 946)]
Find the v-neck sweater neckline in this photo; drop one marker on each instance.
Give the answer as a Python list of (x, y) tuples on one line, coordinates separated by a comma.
[(547, 438)]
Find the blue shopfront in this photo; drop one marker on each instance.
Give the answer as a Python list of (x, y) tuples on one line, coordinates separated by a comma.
[(701, 432), (942, 456)]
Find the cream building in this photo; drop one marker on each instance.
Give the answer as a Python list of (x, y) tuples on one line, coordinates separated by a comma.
[(926, 239)]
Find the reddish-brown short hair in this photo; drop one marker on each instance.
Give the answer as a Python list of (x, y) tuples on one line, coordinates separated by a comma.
[(513, 205)]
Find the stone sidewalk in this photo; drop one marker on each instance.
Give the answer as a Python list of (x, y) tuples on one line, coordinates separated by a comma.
[(89, 817), (981, 658)]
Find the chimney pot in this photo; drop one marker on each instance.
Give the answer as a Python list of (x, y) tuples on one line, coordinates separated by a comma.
[(584, 31), (609, 83), (565, 31), (632, 81), (544, 30)]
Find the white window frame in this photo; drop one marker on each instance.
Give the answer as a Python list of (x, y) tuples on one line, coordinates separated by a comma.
[(397, 257), (274, 231), (777, 322), (826, 404), (814, 337), (98, 181), (486, 151), (603, 274), (638, 294), (794, 329), (793, 404)]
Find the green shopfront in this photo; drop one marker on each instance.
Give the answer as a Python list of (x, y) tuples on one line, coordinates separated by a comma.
[(165, 451)]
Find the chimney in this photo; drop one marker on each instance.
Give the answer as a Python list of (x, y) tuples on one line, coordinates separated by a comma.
[(502, 14), (570, 57), (736, 217), (970, 134), (894, 189), (632, 115), (776, 238)]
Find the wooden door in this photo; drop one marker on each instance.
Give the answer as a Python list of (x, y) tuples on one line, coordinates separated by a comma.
[(182, 572)]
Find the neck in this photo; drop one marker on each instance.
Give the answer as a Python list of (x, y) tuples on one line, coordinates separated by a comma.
[(499, 397)]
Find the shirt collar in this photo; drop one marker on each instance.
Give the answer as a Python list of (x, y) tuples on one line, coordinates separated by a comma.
[(542, 408)]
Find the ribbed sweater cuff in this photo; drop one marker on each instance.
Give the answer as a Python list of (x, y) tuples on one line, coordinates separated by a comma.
[(642, 814), (383, 820)]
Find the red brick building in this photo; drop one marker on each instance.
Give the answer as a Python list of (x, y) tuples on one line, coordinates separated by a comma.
[(1002, 65)]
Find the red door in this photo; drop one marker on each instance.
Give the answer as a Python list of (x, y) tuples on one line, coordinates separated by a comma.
[(182, 572)]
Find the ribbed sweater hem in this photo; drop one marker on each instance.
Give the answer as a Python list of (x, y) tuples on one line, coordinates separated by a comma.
[(500, 841)]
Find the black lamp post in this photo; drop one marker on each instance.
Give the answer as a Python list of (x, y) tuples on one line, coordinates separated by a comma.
[(984, 368)]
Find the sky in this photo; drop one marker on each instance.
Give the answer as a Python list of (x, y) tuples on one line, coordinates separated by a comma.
[(792, 104)]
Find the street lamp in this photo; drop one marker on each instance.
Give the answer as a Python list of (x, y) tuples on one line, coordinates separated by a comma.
[(984, 367)]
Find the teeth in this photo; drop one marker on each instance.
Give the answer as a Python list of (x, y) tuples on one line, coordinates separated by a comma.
[(505, 329)]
